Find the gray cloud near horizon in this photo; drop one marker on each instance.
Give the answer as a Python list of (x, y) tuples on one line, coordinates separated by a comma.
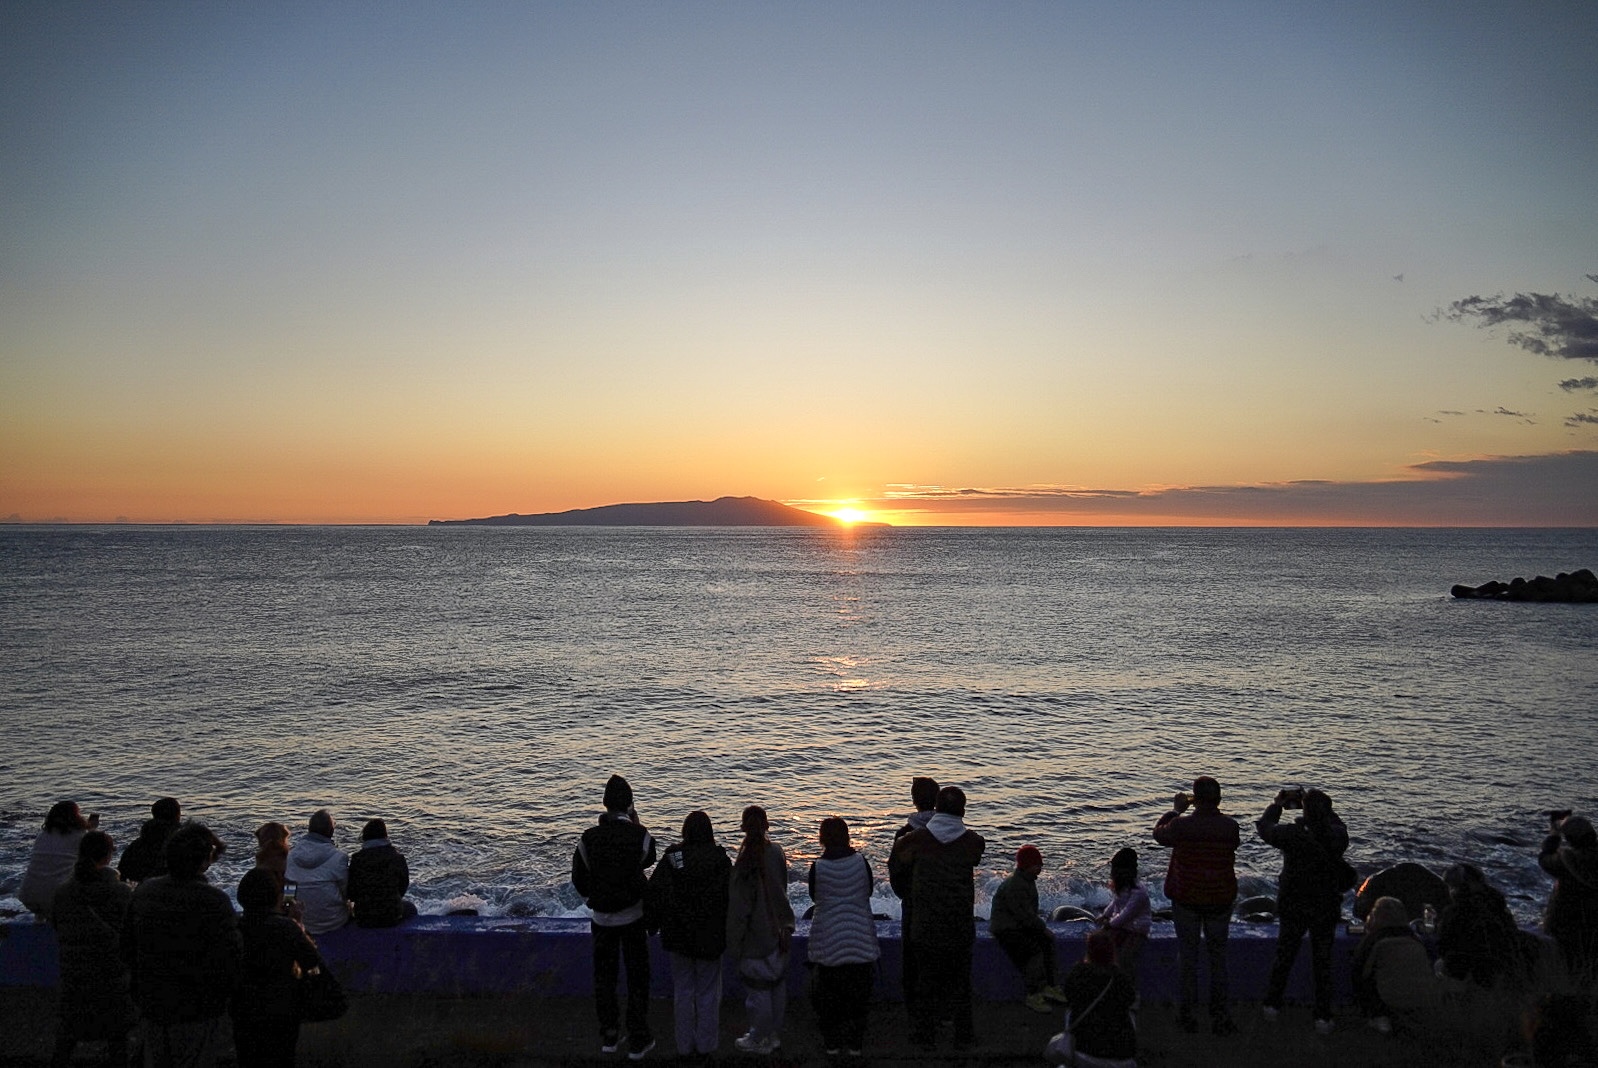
[(1574, 385), (1555, 489)]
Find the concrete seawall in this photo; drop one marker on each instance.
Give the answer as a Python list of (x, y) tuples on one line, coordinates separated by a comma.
[(467, 956)]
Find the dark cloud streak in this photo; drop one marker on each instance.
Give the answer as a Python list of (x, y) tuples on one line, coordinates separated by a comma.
[(1554, 325)]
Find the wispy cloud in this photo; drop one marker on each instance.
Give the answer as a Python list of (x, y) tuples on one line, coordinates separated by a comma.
[(1574, 385), (1546, 490), (1548, 324), (1587, 418)]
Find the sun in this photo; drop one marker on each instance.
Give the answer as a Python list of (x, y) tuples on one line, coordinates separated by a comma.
[(849, 515)]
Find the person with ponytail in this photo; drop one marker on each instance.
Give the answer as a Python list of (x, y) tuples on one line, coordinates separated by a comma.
[(760, 924), (87, 912)]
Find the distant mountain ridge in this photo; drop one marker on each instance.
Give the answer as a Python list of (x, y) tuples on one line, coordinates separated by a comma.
[(721, 512)]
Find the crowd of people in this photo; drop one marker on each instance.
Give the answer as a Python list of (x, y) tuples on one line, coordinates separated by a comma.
[(150, 943)]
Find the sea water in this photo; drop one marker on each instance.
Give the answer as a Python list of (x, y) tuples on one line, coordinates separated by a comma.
[(475, 687)]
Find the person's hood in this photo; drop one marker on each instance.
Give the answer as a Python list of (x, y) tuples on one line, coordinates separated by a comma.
[(1581, 862), (313, 851), (945, 828), (374, 843), (918, 820)]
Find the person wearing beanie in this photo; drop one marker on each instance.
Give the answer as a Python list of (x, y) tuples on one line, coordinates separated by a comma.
[(1016, 924), (1128, 915), (610, 870), (924, 796), (1201, 882), (145, 856), (1100, 1002), (937, 866), (1570, 855), (379, 878)]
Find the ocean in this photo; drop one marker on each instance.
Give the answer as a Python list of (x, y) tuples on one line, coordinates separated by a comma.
[(476, 686)]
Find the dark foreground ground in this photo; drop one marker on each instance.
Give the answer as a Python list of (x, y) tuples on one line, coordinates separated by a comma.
[(409, 1031)]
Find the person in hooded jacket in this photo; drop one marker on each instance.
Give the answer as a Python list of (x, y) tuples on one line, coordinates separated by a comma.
[(276, 952), (1570, 855), (87, 913), (54, 856), (1392, 970), (610, 870), (924, 796), (1477, 940), (379, 878), (760, 924), (687, 903), (1309, 894), (938, 863), (322, 871), (843, 940), (145, 856)]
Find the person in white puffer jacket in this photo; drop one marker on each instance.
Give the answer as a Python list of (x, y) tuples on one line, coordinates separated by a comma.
[(322, 872), (843, 940)]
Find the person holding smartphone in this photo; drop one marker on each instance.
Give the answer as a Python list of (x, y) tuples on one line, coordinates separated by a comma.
[(1570, 855)]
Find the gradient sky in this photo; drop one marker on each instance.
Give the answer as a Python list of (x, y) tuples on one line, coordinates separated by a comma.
[(1018, 262)]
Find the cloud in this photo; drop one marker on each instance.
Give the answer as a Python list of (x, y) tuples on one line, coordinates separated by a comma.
[(1554, 325), (1545, 490), (1572, 385), (1583, 419)]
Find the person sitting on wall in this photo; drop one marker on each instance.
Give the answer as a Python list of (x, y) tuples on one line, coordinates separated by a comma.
[(1570, 855), (1392, 970), (1018, 927), (321, 870), (379, 878), (54, 856), (1128, 916), (145, 856), (1477, 940)]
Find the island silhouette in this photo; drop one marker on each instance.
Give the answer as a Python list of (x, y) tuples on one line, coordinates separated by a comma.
[(721, 512)]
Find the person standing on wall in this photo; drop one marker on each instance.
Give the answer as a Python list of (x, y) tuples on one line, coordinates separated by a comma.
[(1201, 882), (609, 869)]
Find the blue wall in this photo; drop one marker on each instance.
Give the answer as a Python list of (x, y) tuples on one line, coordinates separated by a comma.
[(454, 956)]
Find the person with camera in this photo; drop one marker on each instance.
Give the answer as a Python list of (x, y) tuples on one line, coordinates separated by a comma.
[(1570, 855), (1309, 892), (1201, 882)]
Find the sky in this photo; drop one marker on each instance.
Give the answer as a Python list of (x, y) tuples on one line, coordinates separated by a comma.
[(1159, 263)]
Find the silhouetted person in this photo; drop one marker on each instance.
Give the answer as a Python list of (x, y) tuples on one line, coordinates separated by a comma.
[(843, 940), (145, 856), (88, 913), (275, 951), (379, 878), (54, 856), (759, 929), (1202, 884), (321, 871), (1100, 997), (181, 944), (938, 864), (688, 902), (272, 850), (610, 870), (1128, 916), (1017, 925), (1477, 939), (1309, 894), (1570, 855), (1392, 970), (924, 795)]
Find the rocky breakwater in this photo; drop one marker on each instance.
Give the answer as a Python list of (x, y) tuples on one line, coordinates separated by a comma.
[(1578, 586)]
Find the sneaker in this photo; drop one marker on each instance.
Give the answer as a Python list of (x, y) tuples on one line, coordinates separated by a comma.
[(1381, 1025), (1222, 1025), (637, 1052), (1323, 1027), (1038, 1003), (833, 1051), (750, 1044), (610, 1042), (1054, 994), (857, 1053), (1187, 1021)]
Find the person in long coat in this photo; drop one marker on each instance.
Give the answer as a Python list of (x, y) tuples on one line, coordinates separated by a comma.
[(760, 924)]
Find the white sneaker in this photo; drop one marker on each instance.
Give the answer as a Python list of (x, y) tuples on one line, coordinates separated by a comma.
[(1270, 1012), (1381, 1025), (638, 1054), (748, 1043), (1323, 1027), (610, 1043)]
